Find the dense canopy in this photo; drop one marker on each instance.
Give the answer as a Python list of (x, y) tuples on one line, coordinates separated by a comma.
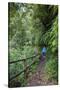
[(32, 26)]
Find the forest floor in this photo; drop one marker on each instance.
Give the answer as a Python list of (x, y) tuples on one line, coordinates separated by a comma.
[(39, 77)]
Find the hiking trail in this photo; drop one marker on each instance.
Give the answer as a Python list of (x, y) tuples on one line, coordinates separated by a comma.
[(39, 77)]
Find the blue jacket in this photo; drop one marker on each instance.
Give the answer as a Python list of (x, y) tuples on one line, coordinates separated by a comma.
[(44, 50)]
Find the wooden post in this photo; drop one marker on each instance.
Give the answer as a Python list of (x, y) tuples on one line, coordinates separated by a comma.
[(26, 71)]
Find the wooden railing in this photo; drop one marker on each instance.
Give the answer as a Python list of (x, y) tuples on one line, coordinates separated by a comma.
[(26, 67)]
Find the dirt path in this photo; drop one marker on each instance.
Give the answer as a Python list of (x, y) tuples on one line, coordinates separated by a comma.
[(39, 77)]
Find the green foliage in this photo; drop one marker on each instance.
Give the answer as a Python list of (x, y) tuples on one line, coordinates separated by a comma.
[(54, 37), (32, 26), (51, 68)]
